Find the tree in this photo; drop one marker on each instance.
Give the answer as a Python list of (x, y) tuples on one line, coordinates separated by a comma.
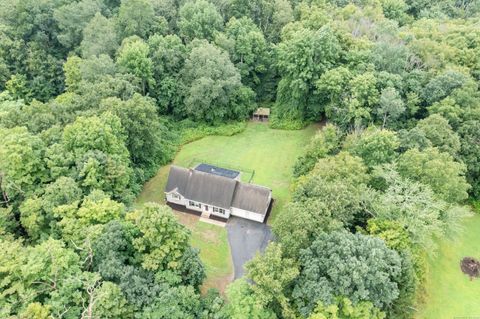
[(22, 166), (391, 105), (163, 240), (143, 129), (248, 50), (326, 271), (269, 15), (436, 169), (212, 87), (374, 146), (449, 109), (81, 223), (109, 302), (133, 57), (168, 55), (174, 303), (96, 145), (413, 263), (199, 19), (343, 308), (325, 142), (37, 213), (414, 206), (99, 37), (442, 85), (137, 17), (103, 133), (72, 18), (272, 275), (243, 303), (302, 59), (48, 271), (342, 166), (73, 75), (440, 134), (470, 153)]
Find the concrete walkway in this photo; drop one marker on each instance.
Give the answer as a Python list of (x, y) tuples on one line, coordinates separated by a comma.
[(246, 237), (212, 221)]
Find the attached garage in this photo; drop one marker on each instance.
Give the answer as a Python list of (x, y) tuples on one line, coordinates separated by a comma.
[(251, 202)]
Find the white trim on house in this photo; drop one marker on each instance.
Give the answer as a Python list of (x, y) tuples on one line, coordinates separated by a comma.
[(202, 207)]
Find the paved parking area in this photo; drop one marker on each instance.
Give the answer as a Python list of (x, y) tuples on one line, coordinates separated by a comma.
[(246, 237)]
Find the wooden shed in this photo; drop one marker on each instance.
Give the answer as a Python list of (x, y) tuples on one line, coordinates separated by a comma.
[(261, 114)]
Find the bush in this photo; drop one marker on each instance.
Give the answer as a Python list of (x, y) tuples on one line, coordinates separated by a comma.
[(284, 122), (191, 131)]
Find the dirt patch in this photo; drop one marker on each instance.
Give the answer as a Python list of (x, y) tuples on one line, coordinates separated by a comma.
[(219, 283), (471, 267), (186, 219)]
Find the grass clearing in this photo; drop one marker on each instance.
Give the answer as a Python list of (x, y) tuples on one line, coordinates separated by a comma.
[(270, 153), (449, 292)]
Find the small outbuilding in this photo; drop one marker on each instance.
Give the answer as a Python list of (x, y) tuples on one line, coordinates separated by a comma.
[(261, 114)]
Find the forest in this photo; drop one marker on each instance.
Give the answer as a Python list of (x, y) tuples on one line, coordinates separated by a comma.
[(96, 95)]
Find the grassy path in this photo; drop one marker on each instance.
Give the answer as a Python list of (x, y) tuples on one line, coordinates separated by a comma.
[(450, 293), (271, 153)]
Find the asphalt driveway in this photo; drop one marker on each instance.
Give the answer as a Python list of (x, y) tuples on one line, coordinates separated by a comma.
[(246, 237)]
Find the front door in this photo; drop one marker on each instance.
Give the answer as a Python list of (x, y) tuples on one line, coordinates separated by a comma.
[(206, 208)]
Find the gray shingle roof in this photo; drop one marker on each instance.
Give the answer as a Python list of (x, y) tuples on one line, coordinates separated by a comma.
[(217, 190), (252, 198), (177, 178), (201, 187)]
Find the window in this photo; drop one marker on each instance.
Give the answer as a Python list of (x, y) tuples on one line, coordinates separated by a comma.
[(194, 204), (219, 210), (176, 196)]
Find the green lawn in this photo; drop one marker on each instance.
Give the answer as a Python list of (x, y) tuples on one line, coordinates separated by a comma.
[(449, 293), (270, 153)]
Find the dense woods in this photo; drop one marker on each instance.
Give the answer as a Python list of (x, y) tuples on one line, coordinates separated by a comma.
[(96, 95)]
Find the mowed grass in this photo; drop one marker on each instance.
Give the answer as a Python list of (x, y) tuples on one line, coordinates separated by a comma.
[(271, 153), (450, 293), (212, 242)]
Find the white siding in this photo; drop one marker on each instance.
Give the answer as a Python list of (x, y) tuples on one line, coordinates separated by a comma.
[(226, 215), (210, 209), (248, 215), (172, 199)]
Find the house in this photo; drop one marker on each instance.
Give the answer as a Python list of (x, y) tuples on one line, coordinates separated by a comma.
[(217, 192)]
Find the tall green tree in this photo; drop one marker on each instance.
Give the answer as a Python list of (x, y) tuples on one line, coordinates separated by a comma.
[(272, 275), (99, 37), (199, 19), (326, 271), (302, 59), (373, 145), (163, 240), (438, 170), (22, 165), (212, 87), (248, 50), (133, 57), (72, 18), (168, 55)]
